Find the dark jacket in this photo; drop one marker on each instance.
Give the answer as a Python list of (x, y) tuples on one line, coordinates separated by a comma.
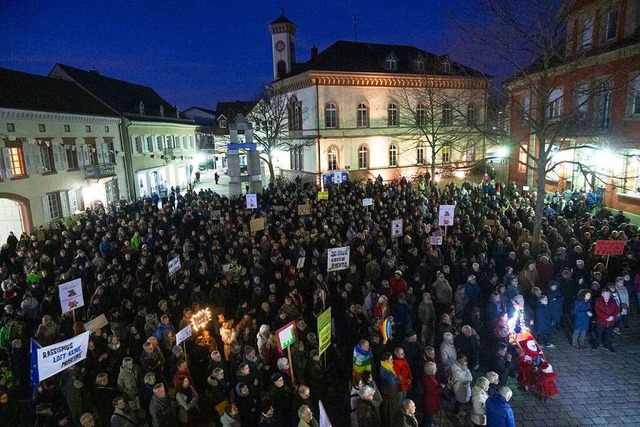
[(164, 412), (580, 317), (499, 412), (366, 414), (544, 320)]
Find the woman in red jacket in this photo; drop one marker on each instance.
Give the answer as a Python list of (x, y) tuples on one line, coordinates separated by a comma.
[(606, 312), (432, 388)]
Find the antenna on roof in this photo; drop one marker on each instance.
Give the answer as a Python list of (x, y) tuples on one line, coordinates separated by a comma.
[(355, 27)]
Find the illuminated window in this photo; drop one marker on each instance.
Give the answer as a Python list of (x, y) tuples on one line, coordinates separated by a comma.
[(420, 154), (332, 159), (523, 159), (16, 161), (446, 154), (393, 155), (363, 157)]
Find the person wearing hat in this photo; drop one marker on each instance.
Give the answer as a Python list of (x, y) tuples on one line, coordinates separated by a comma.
[(398, 284), (280, 396), (606, 310)]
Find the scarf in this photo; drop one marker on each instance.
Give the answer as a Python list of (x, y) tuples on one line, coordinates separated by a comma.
[(388, 366), (361, 360)]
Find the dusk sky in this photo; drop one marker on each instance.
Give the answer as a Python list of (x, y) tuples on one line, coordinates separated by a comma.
[(199, 52)]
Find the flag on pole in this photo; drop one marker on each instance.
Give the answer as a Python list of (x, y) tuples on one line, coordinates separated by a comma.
[(35, 377)]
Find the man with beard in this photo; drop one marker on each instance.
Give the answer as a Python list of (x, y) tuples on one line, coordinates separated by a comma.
[(122, 415)]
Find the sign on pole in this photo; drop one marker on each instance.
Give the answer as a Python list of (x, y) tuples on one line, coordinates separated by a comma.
[(304, 209), (286, 335), (323, 195), (610, 247), (70, 295), (445, 214), (174, 265), (97, 323), (58, 357), (323, 417), (183, 334), (252, 201), (338, 258), (300, 263), (324, 331), (256, 224), (337, 177), (367, 202), (397, 228), (435, 240)]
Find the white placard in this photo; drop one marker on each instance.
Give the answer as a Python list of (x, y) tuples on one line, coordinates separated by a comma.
[(367, 202), (174, 265), (397, 228), (183, 334), (445, 214), (435, 240), (58, 357), (71, 295), (338, 258), (226, 268), (525, 188), (252, 201), (323, 417), (337, 177), (300, 263)]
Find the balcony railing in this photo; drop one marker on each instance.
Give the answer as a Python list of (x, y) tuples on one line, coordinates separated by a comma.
[(99, 171)]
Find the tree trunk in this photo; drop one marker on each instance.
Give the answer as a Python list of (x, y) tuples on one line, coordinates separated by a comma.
[(541, 180), (433, 166), (272, 175)]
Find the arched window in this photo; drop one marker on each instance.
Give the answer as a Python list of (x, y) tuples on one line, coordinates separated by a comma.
[(392, 115), (393, 155), (363, 116), (295, 114), (447, 114), (363, 157), (420, 154), (472, 114), (281, 69), (331, 116), (421, 115), (391, 63), (332, 159)]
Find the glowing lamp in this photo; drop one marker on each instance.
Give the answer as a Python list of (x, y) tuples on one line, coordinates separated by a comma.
[(200, 319)]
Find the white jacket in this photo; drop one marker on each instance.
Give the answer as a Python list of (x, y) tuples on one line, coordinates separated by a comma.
[(461, 380), (478, 411)]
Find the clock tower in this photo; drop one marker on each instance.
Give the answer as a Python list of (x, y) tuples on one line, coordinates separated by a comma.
[(283, 33)]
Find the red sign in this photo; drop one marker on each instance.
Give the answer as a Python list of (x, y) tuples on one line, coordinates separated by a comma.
[(610, 247)]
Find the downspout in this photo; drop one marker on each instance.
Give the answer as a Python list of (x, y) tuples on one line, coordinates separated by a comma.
[(318, 132), (128, 158)]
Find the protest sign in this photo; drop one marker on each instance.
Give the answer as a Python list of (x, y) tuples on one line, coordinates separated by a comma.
[(252, 201), (324, 330), (610, 247), (174, 265), (97, 323), (300, 263), (286, 335), (256, 224), (304, 209), (183, 334), (435, 240), (396, 228), (445, 214), (338, 258), (70, 295), (58, 357), (323, 195), (367, 202)]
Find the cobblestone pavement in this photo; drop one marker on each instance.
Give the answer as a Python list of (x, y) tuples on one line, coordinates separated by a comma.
[(596, 387)]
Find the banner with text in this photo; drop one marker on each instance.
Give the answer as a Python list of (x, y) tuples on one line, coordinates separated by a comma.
[(397, 228), (610, 247), (58, 357), (70, 295), (338, 259), (445, 214), (324, 330)]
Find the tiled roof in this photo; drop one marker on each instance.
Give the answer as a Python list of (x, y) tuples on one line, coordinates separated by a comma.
[(25, 91)]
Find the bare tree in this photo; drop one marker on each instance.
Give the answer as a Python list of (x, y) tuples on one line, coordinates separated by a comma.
[(534, 41), (277, 119), (448, 122)]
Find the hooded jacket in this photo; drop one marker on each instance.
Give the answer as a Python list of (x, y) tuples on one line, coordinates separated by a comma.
[(478, 406), (499, 412)]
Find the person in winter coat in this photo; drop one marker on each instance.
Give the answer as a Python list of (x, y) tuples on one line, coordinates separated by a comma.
[(581, 318), (606, 312), (122, 415), (408, 414), (187, 398), (431, 398), (366, 413), (128, 380), (403, 371), (231, 417), (162, 408), (623, 298), (479, 396), (427, 317), (461, 382), (389, 389), (556, 301), (499, 412), (281, 397), (544, 323), (494, 379), (448, 354)]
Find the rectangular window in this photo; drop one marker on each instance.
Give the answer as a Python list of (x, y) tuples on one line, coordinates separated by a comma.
[(362, 116), (582, 99), (554, 104), (610, 25), (11, 127), (42, 128), (526, 108), (420, 154), (110, 151), (113, 193), (52, 206), (634, 86), (72, 156), (46, 155), (137, 142), (160, 142), (106, 129), (16, 161), (87, 128), (150, 144), (447, 114), (603, 98), (67, 128), (587, 33), (392, 115), (522, 160), (633, 175), (446, 154)]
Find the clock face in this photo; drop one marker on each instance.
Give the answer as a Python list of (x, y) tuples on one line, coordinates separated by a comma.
[(280, 45)]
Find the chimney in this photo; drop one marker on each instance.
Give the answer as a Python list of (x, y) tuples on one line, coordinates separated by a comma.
[(314, 52), (177, 111), (94, 70)]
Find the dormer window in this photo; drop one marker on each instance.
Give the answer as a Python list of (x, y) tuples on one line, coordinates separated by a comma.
[(162, 111), (391, 62), (419, 64), (446, 65), (141, 107), (222, 123)]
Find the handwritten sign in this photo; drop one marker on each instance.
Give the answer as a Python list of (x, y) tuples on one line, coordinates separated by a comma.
[(324, 330), (323, 195), (610, 247), (445, 214), (396, 228), (174, 265), (435, 240), (70, 295), (304, 209), (257, 224), (58, 357), (183, 334), (97, 323), (252, 201), (367, 202), (338, 258)]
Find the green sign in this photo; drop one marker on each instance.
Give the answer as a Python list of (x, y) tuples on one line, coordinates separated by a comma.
[(324, 330)]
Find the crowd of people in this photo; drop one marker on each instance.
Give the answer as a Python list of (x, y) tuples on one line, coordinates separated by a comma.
[(420, 331)]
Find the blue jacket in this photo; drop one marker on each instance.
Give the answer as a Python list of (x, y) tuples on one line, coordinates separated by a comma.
[(555, 302), (581, 319), (499, 412), (473, 292), (387, 378), (544, 320)]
